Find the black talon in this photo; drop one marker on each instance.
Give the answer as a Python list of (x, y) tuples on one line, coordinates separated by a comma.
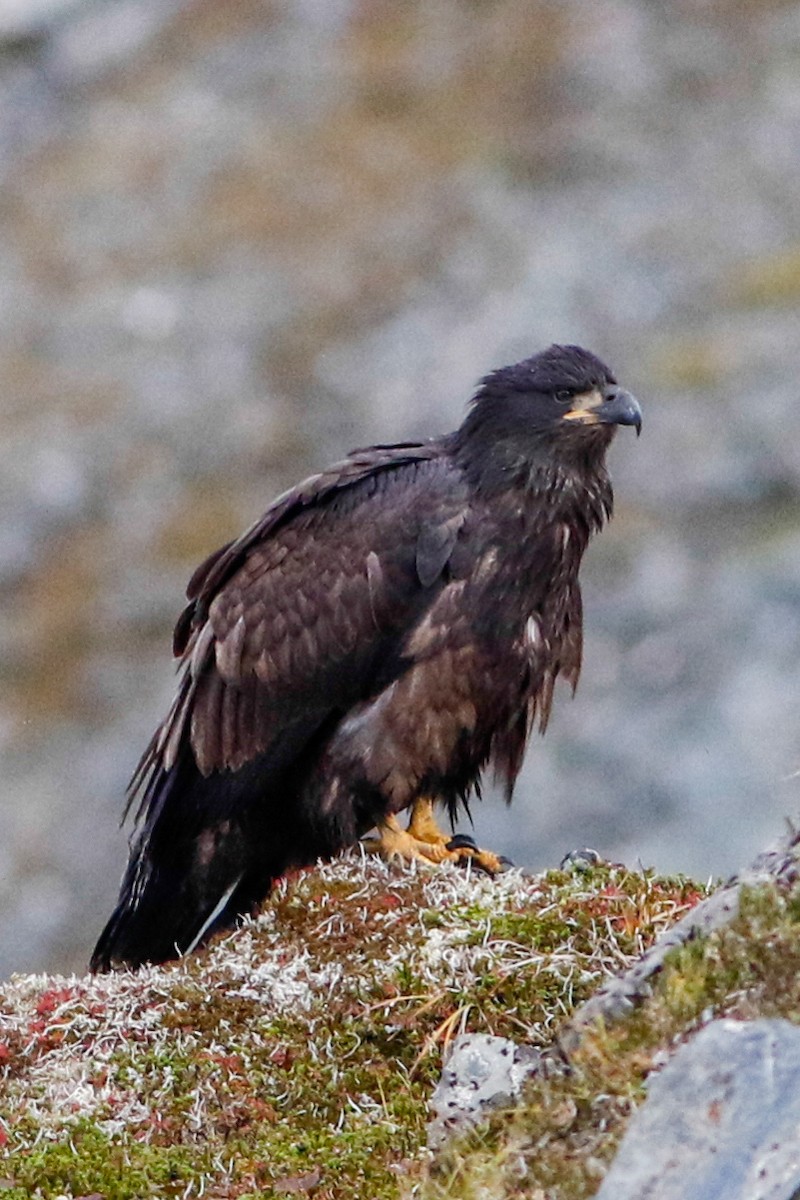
[(462, 841)]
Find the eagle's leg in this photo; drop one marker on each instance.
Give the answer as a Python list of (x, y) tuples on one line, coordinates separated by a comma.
[(423, 826), (424, 840), (395, 842)]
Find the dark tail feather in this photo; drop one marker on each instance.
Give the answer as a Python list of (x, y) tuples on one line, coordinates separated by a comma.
[(207, 853), (194, 868), (209, 848), (171, 903)]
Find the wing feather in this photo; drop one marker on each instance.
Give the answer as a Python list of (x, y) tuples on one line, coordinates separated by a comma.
[(302, 610), (361, 465)]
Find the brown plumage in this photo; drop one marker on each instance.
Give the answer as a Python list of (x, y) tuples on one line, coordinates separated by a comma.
[(384, 632)]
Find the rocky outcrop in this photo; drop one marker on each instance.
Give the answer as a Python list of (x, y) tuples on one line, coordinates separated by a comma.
[(719, 1116)]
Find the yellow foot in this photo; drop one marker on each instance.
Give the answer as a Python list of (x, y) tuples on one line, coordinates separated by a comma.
[(424, 841), (393, 842)]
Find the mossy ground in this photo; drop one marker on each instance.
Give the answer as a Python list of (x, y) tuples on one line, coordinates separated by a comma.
[(556, 1145), (298, 1055)]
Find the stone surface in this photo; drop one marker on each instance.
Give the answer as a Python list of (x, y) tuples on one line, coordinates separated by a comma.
[(482, 1073), (721, 1120)]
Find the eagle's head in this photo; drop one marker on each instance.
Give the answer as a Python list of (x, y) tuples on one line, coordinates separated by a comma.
[(543, 426), (564, 393)]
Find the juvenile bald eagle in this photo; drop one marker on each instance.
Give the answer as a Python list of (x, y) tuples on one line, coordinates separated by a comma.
[(384, 632)]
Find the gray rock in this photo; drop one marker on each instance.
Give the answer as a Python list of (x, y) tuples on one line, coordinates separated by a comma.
[(721, 1122), (482, 1073)]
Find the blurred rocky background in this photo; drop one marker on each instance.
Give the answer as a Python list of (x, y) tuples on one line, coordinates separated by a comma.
[(239, 238)]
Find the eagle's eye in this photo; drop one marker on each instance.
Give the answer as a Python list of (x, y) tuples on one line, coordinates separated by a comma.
[(564, 395)]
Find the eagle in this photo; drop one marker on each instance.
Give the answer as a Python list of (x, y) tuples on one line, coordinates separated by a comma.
[(386, 631)]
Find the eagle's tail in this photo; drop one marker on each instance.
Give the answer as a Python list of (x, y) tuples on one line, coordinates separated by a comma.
[(195, 867), (168, 907), (209, 847)]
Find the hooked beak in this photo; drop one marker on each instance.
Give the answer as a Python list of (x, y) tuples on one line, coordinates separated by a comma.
[(611, 406)]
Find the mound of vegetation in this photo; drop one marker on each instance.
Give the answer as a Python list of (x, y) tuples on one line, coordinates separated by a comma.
[(298, 1054)]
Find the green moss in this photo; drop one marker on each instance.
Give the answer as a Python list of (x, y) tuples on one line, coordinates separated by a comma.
[(750, 969), (87, 1161)]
